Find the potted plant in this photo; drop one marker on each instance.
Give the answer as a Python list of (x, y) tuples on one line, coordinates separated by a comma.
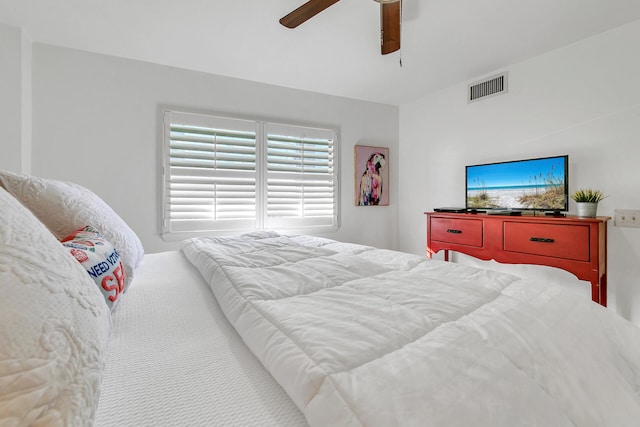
[(587, 201)]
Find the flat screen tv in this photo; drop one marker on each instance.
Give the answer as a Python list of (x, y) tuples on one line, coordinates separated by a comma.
[(532, 184)]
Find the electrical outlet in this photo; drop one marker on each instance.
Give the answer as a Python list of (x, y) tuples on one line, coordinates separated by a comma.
[(626, 218)]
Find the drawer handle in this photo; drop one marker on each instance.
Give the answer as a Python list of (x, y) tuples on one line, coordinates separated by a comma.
[(541, 239), (453, 231)]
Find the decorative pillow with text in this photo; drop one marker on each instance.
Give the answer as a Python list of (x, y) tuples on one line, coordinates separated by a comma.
[(100, 259)]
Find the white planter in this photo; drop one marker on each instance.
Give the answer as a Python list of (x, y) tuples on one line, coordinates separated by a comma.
[(587, 210)]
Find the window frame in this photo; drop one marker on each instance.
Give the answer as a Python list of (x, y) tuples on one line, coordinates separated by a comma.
[(262, 221)]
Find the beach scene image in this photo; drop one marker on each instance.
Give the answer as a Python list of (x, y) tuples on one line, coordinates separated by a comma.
[(527, 184)]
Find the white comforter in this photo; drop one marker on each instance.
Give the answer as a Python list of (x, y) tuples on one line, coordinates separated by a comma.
[(363, 336)]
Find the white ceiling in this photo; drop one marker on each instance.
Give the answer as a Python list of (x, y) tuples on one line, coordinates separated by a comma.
[(337, 52)]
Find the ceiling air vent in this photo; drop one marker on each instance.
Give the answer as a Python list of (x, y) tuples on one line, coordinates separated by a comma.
[(491, 86)]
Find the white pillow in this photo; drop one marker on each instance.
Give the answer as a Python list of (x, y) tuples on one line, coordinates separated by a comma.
[(65, 207), (54, 326)]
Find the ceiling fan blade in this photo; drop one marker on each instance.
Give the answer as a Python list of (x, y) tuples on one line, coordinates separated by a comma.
[(390, 27), (305, 12)]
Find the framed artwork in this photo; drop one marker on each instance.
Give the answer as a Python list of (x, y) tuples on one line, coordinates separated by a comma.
[(371, 173)]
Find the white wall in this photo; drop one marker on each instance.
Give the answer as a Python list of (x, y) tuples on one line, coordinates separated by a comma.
[(581, 100), (15, 99), (96, 122)]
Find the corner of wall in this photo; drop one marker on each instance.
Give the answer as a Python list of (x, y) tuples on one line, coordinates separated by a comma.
[(16, 100), (26, 104)]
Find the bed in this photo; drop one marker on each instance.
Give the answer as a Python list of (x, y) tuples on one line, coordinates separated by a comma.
[(286, 330), (182, 363)]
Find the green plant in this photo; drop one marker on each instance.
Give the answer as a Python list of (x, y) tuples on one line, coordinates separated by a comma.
[(588, 195)]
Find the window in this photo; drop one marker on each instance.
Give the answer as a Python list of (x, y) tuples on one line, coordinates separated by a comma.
[(223, 174)]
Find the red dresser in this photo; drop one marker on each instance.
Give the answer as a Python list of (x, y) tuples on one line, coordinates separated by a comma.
[(575, 244)]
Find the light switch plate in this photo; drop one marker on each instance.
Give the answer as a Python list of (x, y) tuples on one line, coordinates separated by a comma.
[(626, 218)]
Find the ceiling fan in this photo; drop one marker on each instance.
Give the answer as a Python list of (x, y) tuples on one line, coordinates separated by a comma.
[(390, 18)]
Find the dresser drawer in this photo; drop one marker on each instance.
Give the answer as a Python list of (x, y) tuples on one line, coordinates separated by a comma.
[(459, 231), (558, 241)]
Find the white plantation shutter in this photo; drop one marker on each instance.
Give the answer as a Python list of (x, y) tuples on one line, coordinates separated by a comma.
[(211, 184), (301, 177), (231, 174)]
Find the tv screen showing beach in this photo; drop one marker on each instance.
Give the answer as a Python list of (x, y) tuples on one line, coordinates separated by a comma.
[(535, 184)]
